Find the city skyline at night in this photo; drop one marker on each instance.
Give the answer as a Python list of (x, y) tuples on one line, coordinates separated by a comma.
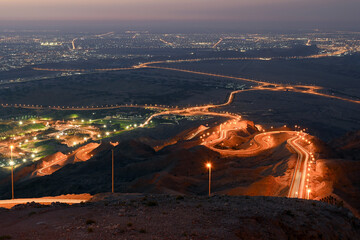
[(169, 119)]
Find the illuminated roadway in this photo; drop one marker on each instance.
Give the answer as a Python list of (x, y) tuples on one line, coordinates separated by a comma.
[(43, 171), (85, 108), (261, 142), (313, 90), (80, 155), (13, 202), (298, 181)]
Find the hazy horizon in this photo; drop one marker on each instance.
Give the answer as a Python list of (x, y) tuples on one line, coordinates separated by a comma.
[(186, 15)]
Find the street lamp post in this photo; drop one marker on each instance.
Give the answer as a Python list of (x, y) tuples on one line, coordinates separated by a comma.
[(308, 194), (208, 165), (112, 171), (12, 172)]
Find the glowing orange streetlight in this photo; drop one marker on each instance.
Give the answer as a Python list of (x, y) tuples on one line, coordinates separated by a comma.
[(308, 193), (208, 165), (12, 172)]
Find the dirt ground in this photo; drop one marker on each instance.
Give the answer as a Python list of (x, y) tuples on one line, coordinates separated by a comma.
[(136, 216)]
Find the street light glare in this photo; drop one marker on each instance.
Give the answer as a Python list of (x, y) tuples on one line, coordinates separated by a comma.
[(208, 165), (11, 147), (11, 163)]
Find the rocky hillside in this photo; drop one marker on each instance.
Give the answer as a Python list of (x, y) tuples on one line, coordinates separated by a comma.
[(135, 216), (178, 167)]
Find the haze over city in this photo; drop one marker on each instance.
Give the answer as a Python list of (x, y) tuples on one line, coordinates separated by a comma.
[(193, 119), (193, 14)]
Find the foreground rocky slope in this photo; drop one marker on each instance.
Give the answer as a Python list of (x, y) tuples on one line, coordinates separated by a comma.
[(135, 216)]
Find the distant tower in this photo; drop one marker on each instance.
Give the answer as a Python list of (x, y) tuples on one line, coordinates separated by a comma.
[(73, 44)]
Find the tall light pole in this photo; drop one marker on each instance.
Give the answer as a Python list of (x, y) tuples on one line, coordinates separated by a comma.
[(112, 171), (208, 165), (12, 172)]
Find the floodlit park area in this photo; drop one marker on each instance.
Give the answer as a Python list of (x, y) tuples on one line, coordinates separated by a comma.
[(30, 138)]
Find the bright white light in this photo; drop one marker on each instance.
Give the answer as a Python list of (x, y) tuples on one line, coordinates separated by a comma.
[(107, 133), (12, 163), (24, 160), (32, 155), (21, 123)]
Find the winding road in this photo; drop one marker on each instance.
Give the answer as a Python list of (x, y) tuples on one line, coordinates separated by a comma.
[(80, 155)]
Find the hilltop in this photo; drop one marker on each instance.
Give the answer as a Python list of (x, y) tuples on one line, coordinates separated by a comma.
[(138, 216)]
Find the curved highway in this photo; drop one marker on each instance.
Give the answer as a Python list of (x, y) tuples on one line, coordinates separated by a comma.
[(300, 177), (299, 184), (81, 155)]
